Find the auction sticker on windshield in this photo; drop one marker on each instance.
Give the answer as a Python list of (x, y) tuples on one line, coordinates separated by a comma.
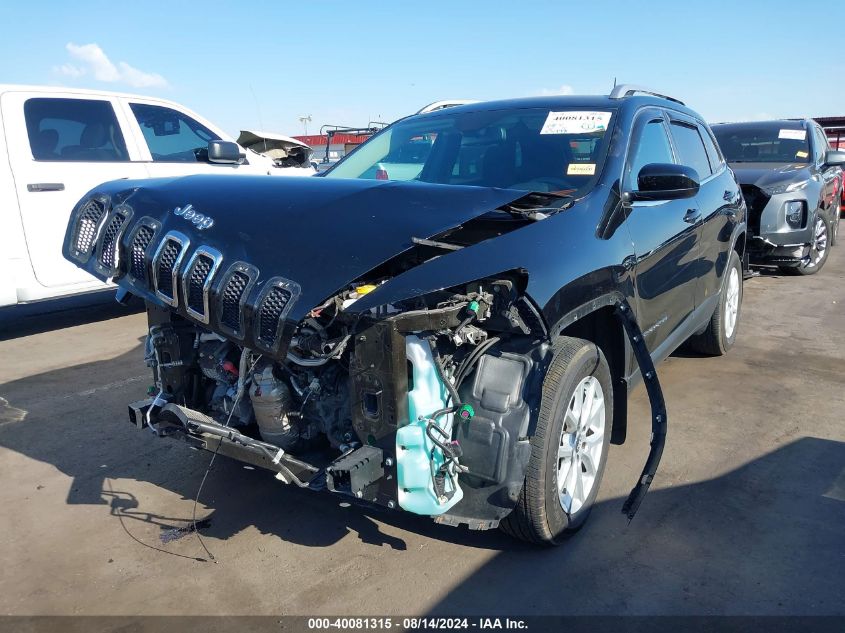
[(793, 135), (576, 122), (581, 169)]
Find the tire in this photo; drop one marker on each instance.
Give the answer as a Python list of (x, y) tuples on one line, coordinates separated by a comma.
[(577, 370), (720, 334), (819, 249)]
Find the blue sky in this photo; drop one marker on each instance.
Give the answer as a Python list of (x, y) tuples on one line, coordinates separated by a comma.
[(264, 64)]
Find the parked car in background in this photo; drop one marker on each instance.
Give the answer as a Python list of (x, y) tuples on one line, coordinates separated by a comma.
[(458, 342), (789, 177), (61, 142), (285, 151)]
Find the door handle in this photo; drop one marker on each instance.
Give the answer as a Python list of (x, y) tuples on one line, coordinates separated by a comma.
[(692, 216), (45, 186)]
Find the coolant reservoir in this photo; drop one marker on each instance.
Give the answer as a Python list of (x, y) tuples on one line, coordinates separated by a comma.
[(416, 455)]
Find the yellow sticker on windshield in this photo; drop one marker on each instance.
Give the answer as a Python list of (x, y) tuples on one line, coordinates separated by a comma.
[(801, 154), (581, 169)]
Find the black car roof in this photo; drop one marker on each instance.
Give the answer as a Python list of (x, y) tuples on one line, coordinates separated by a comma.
[(600, 102)]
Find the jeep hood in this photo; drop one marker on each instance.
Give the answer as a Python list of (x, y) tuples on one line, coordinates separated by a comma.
[(319, 234), (770, 174)]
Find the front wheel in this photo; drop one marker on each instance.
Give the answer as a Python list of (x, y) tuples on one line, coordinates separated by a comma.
[(720, 334), (819, 249), (569, 448)]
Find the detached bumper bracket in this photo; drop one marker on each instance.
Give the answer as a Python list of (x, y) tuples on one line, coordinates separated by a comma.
[(658, 409)]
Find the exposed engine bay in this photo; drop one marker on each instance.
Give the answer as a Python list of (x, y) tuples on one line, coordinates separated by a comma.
[(354, 393)]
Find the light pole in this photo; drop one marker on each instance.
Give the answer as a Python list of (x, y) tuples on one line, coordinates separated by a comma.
[(305, 120)]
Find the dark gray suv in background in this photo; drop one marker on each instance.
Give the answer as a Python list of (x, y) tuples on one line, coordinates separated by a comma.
[(788, 174)]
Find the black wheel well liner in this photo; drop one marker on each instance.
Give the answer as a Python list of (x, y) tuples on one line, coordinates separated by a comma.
[(597, 322), (739, 243)]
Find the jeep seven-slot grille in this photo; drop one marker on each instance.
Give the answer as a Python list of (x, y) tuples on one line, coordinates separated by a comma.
[(230, 301), (138, 252), (108, 255), (87, 226), (165, 268), (197, 276), (269, 314)]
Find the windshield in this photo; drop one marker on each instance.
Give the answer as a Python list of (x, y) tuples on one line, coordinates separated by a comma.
[(530, 149), (776, 142)]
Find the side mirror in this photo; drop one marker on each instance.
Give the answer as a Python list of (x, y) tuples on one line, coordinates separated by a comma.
[(834, 158), (665, 181), (224, 152)]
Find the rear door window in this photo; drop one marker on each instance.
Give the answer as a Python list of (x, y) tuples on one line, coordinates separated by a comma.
[(690, 148), (172, 136), (73, 130)]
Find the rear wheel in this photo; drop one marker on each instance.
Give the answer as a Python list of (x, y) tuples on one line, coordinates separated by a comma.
[(569, 448), (819, 249), (720, 334)]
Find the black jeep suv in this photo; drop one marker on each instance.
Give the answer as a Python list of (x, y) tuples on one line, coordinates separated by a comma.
[(449, 321), (789, 177)]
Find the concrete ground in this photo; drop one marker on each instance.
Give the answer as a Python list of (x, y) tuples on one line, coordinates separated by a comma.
[(746, 515)]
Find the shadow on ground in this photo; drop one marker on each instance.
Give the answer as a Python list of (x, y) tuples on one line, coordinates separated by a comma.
[(44, 316)]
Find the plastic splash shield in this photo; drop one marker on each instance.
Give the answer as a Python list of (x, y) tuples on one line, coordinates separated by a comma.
[(417, 457)]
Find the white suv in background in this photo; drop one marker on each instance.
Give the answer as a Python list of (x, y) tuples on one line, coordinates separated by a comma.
[(58, 143)]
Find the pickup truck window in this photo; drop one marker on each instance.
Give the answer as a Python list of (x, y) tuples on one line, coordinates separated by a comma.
[(73, 130), (172, 136)]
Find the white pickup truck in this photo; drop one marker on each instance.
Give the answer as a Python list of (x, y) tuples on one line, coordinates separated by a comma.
[(58, 143)]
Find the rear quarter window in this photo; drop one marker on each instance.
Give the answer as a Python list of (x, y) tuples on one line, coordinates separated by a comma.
[(73, 130)]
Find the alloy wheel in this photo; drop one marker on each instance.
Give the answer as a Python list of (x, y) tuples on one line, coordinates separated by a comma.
[(732, 303), (819, 245), (581, 445)]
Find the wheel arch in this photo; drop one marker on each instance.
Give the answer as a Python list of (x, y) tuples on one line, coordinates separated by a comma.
[(597, 322)]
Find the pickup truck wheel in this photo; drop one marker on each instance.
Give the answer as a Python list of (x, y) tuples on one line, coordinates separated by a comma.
[(720, 334), (819, 249), (569, 448)]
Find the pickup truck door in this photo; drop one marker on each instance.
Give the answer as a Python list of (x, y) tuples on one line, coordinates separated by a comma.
[(665, 236), (61, 146), (174, 142)]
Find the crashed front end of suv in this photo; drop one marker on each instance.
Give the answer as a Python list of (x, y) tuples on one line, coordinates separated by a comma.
[(268, 343), (397, 340)]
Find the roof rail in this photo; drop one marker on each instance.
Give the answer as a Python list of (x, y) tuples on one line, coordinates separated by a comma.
[(627, 90)]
